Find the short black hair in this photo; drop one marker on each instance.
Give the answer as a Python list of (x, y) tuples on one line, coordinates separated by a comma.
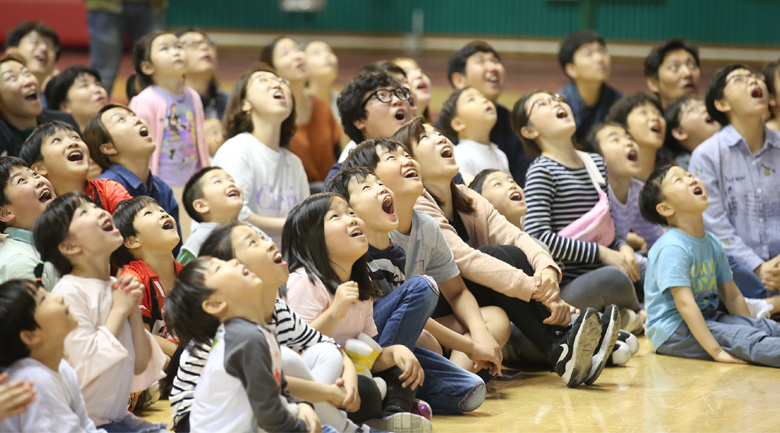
[(448, 112), (339, 183), (57, 89), (458, 59), (124, 215), (479, 180), (31, 148), (7, 165), (364, 155), (193, 190), (673, 117), (573, 42), (620, 110), (52, 229), (715, 91), (591, 143), (658, 53), (184, 314), (24, 28), (652, 194), (17, 314), (350, 100)]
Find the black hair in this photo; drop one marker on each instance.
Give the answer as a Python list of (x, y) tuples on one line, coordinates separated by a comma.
[(769, 71), (519, 119), (409, 135), (236, 120), (591, 143), (124, 215), (458, 59), (31, 148), (652, 194), (350, 100), (17, 314), (339, 183), (448, 112), (657, 54), (193, 190), (96, 134), (218, 243), (673, 116), (620, 110), (7, 165), (573, 42), (365, 155), (387, 66), (267, 53), (24, 28), (57, 89), (142, 52), (184, 314), (479, 180), (715, 92), (303, 245), (52, 229)]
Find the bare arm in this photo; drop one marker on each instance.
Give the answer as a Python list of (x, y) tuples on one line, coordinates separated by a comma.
[(141, 345), (466, 309), (733, 299), (271, 224), (315, 392)]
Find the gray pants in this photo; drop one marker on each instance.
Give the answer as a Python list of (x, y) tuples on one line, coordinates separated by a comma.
[(746, 338), (600, 288)]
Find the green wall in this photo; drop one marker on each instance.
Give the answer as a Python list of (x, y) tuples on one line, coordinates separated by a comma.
[(751, 22)]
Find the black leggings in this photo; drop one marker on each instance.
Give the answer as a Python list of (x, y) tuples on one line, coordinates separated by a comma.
[(398, 399), (527, 316)]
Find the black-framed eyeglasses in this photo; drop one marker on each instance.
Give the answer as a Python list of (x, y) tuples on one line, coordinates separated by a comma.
[(541, 102), (385, 96)]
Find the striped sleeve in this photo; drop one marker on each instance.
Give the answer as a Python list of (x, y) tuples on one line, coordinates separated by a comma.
[(191, 366), (292, 331)]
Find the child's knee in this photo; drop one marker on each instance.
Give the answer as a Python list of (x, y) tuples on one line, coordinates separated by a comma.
[(425, 287), (474, 397)]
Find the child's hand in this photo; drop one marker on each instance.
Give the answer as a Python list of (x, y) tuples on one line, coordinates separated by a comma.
[(351, 401), (546, 289), (306, 413), (485, 357), (725, 357), (127, 294), (611, 257), (337, 393), (346, 295), (14, 396), (560, 313), (404, 359), (628, 253)]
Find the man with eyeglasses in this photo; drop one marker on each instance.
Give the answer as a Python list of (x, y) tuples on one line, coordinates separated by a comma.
[(108, 21), (740, 165), (672, 69), (39, 46)]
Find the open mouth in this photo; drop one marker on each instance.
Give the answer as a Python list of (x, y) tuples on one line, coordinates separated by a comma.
[(489, 108), (400, 115), (279, 95), (108, 225), (277, 257), (76, 155), (45, 196), (561, 113), (32, 96), (356, 233), (387, 205), (422, 86), (689, 87), (756, 92), (169, 224), (698, 191), (633, 155), (410, 173), (492, 79), (709, 120), (656, 129), (233, 193), (143, 132), (446, 152), (516, 196)]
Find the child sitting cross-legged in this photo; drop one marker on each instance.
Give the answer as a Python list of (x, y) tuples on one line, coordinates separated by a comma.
[(33, 326), (146, 254), (688, 275), (211, 197), (503, 193)]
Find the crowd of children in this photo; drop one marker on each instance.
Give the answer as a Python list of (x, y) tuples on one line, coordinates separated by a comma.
[(341, 265)]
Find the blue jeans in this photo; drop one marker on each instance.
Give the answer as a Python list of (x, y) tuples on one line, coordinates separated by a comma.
[(448, 388), (747, 280), (107, 35), (746, 338), (132, 423), (401, 315)]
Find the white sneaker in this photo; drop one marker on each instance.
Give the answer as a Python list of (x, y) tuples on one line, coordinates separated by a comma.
[(402, 422), (620, 354), (758, 308)]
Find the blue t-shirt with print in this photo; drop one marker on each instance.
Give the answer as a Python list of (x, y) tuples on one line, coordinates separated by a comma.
[(681, 260)]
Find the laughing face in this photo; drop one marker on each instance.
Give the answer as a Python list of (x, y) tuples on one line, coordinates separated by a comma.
[(155, 229), (621, 153), (647, 125), (505, 195), (345, 238), (233, 283), (435, 154), (484, 72), (383, 119), (221, 195), (19, 97), (28, 194), (399, 172), (65, 156), (92, 229), (38, 53), (374, 203), (261, 256)]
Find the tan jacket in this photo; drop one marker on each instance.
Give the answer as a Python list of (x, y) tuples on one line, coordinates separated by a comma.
[(488, 227)]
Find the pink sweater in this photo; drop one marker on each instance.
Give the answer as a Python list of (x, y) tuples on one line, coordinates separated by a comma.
[(488, 227), (151, 107)]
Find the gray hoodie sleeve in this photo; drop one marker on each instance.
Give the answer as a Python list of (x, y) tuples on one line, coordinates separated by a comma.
[(248, 358)]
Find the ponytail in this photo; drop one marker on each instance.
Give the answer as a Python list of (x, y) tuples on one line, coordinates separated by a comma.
[(38, 272), (132, 87)]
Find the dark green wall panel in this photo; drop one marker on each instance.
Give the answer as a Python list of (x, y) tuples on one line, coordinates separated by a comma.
[(753, 22)]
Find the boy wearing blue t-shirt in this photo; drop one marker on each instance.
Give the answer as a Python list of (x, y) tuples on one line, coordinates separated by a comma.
[(687, 276)]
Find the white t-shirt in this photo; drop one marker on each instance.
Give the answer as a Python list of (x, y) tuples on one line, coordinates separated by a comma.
[(473, 157), (58, 404), (273, 182)]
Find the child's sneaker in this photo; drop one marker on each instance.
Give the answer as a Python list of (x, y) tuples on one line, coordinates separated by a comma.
[(576, 352), (420, 407), (630, 340), (402, 422), (621, 353), (758, 308), (610, 326)]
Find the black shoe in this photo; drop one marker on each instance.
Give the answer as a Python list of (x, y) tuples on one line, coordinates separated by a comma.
[(576, 352), (610, 326)]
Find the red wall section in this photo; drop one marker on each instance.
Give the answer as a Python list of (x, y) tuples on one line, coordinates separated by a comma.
[(67, 17)]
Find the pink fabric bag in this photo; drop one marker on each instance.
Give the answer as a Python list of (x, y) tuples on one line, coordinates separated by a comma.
[(596, 225)]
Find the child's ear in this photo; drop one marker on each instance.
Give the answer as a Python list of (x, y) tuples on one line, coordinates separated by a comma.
[(246, 107), (201, 206), (40, 168), (457, 124), (29, 338), (108, 149), (529, 132), (458, 80), (147, 68), (570, 70), (68, 248), (664, 209), (132, 242), (679, 134), (6, 214), (360, 125), (213, 306), (722, 105), (652, 84)]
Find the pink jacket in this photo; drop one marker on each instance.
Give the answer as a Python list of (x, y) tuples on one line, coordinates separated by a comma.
[(488, 227), (151, 107)]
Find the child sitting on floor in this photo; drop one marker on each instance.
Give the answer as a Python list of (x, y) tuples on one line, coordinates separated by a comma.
[(503, 193)]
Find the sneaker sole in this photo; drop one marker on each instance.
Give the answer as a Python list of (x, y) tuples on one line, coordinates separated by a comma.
[(403, 422), (584, 346), (608, 340)]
